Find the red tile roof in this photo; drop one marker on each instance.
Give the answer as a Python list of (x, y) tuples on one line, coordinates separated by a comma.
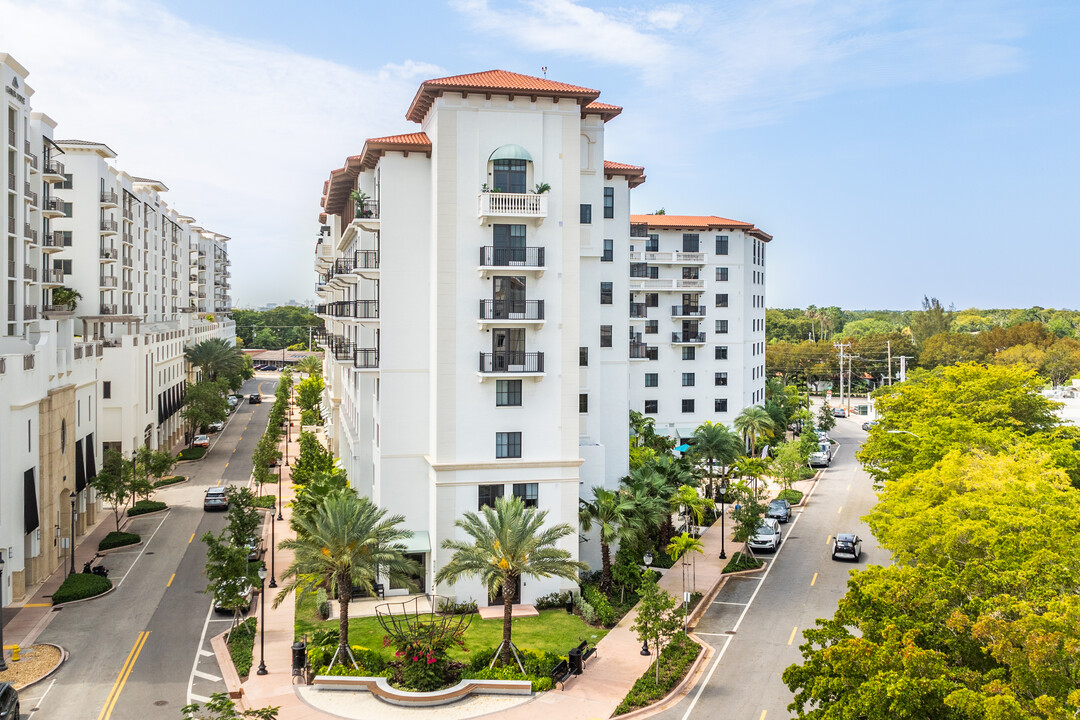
[(635, 174), (491, 82), (342, 181), (699, 222), (605, 111)]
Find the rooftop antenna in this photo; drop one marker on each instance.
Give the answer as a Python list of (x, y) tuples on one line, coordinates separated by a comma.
[(544, 70)]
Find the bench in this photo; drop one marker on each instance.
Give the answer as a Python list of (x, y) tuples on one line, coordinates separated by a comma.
[(358, 592), (560, 674), (587, 651)]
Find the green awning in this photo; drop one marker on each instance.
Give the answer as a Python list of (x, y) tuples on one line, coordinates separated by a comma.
[(418, 543), (685, 432), (510, 152)]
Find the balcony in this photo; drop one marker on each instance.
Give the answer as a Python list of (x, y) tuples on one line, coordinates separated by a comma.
[(128, 310), (52, 312), (12, 141), (639, 270), (511, 312), (30, 234), (108, 254), (11, 181), (354, 309), (107, 281), (512, 205), (109, 199), (638, 311), (668, 258), (639, 230), (30, 194), (526, 259), (128, 239), (109, 227), (53, 172), (667, 285), (639, 351), (511, 363), (688, 311), (30, 312), (366, 359), (108, 309), (128, 214), (687, 338), (53, 207), (127, 261), (30, 273), (366, 218), (52, 276)]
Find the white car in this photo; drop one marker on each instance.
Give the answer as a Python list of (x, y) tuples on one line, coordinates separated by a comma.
[(216, 426), (822, 457), (767, 537)]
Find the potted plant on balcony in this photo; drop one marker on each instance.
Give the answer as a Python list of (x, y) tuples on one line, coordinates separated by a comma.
[(359, 197), (68, 297), (541, 188)]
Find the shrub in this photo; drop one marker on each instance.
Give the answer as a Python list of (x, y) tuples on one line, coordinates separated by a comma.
[(553, 600), (169, 481), (742, 561), (310, 417), (605, 614), (792, 496), (145, 506), (241, 645), (675, 660), (449, 607), (79, 586), (509, 672), (191, 453), (118, 539), (322, 604), (588, 614), (264, 501)]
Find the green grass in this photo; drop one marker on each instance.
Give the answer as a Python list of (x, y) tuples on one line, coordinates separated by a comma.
[(742, 561), (792, 496), (554, 631), (143, 507), (79, 586), (191, 453), (117, 539), (169, 481), (242, 645), (675, 661)]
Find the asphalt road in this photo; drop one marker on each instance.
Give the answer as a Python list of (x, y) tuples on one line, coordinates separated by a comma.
[(756, 623), (141, 650)]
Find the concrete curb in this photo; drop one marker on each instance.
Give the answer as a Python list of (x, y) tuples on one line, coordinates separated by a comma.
[(119, 548), (148, 514), (750, 571), (83, 600), (225, 663), (169, 485), (63, 658)]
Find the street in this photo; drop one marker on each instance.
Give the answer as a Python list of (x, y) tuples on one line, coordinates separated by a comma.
[(756, 623), (143, 648)]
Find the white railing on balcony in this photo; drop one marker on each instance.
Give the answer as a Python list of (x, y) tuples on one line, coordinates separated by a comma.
[(669, 284), (512, 205), (669, 258)]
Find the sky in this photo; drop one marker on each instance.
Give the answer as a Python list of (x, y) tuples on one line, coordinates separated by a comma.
[(893, 148)]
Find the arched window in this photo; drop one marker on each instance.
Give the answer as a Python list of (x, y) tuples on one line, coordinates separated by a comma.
[(509, 169)]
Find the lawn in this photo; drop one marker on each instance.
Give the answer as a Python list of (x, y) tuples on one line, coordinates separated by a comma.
[(554, 631)]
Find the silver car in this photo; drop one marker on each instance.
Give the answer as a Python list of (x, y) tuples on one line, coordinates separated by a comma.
[(767, 537)]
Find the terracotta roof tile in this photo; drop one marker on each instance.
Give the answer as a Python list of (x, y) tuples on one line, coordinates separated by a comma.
[(699, 222), (635, 174), (604, 110), (342, 181), (494, 81)]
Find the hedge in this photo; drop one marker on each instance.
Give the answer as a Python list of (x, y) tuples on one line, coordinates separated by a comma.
[(675, 660), (742, 561), (118, 539), (79, 586), (143, 507), (792, 496), (241, 646), (265, 501), (170, 481), (191, 453)]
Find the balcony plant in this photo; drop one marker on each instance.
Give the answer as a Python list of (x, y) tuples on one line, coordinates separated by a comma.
[(541, 188), (359, 197), (66, 296)]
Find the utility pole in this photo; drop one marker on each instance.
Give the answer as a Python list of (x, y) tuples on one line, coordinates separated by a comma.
[(888, 346), (841, 346), (849, 359), (903, 367)]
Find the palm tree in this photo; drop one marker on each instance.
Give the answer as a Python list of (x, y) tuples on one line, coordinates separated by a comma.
[(68, 297), (613, 513), (688, 499), (645, 488), (713, 443), (751, 468), (346, 541), (753, 423), (676, 549), (215, 357), (310, 364), (508, 542)]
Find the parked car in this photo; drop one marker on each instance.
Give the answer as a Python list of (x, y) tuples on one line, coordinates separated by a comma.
[(9, 702), (215, 499), (767, 536), (822, 436), (822, 457), (254, 398), (869, 424), (779, 510), (230, 585), (216, 426), (255, 549), (839, 412), (201, 441), (847, 545)]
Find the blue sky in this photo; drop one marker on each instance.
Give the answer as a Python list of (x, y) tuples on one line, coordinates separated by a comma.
[(894, 149)]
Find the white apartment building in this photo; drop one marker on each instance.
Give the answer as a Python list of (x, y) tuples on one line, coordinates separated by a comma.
[(107, 373), (476, 338), (698, 307)]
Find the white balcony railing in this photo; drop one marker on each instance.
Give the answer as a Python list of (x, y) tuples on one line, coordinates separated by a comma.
[(668, 284), (527, 205), (668, 258)]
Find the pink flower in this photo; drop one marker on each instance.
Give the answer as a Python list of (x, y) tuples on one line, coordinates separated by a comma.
[(399, 654), (430, 660), (415, 659)]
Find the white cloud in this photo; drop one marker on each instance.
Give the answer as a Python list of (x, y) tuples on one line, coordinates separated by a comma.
[(244, 134)]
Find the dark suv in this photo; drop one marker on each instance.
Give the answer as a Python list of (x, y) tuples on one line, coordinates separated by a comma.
[(9, 702), (254, 399)]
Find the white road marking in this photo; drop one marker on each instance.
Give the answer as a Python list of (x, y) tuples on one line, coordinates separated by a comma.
[(206, 653), (195, 663), (145, 546), (37, 703), (192, 697), (721, 602), (207, 676)]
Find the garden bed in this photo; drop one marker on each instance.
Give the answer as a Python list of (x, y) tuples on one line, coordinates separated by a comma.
[(241, 646), (265, 502), (117, 540), (741, 561), (80, 586), (792, 496), (164, 482), (191, 453), (675, 660), (145, 507)]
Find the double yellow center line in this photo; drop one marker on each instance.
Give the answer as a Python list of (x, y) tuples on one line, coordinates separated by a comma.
[(121, 679)]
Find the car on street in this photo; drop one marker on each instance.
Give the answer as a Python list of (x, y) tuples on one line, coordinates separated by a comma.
[(254, 398), (254, 548), (847, 545), (227, 589), (779, 509), (201, 441), (767, 536), (869, 424), (822, 457), (839, 412), (216, 426), (9, 702), (215, 499), (822, 436)]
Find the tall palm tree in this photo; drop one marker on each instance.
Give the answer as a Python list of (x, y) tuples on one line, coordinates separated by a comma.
[(347, 541), (215, 357), (713, 443), (646, 489), (613, 514), (310, 364), (753, 423), (691, 501), (508, 542), (677, 549)]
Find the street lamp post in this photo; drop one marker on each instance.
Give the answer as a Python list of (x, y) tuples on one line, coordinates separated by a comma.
[(648, 562), (720, 493), (3, 663), (279, 516), (262, 621), (72, 538), (273, 545)]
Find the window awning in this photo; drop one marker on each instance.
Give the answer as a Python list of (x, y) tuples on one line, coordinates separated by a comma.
[(91, 468), (418, 543), (80, 467), (685, 432), (666, 432), (30, 506), (510, 152)]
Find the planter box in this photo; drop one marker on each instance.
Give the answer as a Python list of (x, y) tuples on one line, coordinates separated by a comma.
[(381, 688)]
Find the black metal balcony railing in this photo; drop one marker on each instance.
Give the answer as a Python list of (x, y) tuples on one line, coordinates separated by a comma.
[(107, 281), (687, 337), (109, 226), (367, 209), (344, 266), (512, 362), (108, 253), (53, 204), (109, 197), (511, 309), (30, 233), (108, 309), (512, 257), (639, 230), (688, 311), (54, 239), (638, 310), (366, 358), (30, 193), (30, 312), (639, 270), (54, 167), (367, 259), (638, 350)]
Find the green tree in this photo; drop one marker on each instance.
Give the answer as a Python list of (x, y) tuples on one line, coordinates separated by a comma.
[(932, 320), (747, 509), (216, 358), (825, 419), (753, 423), (113, 483), (509, 542), (677, 550), (657, 621), (243, 518), (790, 464), (313, 458), (950, 349), (229, 574), (348, 542), (309, 365), (309, 393), (1062, 361), (204, 403), (220, 707), (68, 297), (613, 514), (714, 443), (311, 494)]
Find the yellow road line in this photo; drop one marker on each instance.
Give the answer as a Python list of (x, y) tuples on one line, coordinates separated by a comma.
[(37, 605), (813, 580), (218, 483), (828, 540), (226, 464), (171, 578), (191, 538), (792, 638), (125, 670), (839, 509), (762, 715)]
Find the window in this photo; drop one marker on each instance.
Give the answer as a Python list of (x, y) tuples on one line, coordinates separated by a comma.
[(652, 244), (106, 390), (586, 214), (690, 273), (487, 494), (609, 251), (652, 327), (688, 379), (509, 244), (62, 265), (527, 492), (609, 202), (690, 242), (67, 209), (509, 176), (66, 185), (688, 405), (605, 293), (651, 407), (688, 353), (721, 244), (652, 380), (583, 402), (583, 357), (66, 235), (605, 336), (654, 272), (721, 300), (721, 352), (652, 300), (722, 274), (720, 379), (720, 404), (721, 326), (507, 445), (507, 393)]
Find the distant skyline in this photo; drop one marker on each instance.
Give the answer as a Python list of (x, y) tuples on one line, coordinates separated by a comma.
[(893, 149)]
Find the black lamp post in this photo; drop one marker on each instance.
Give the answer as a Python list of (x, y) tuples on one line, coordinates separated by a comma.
[(72, 538), (720, 493), (3, 663), (279, 516), (262, 621), (648, 562), (273, 544)]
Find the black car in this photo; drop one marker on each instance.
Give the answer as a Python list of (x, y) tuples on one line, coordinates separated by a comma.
[(254, 398), (779, 510), (9, 702), (847, 545)]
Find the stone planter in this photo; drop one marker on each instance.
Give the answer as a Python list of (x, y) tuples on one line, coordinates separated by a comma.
[(381, 688)]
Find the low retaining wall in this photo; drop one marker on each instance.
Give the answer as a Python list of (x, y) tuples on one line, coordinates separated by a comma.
[(380, 688)]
